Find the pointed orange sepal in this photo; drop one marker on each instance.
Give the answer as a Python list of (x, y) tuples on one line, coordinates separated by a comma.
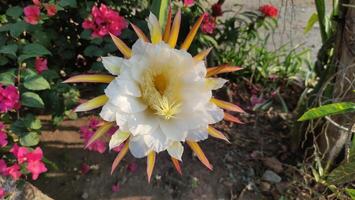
[(119, 157), (202, 55), (90, 78), (167, 26), (176, 164), (140, 33), (227, 105), (150, 164), (124, 49), (191, 35), (175, 29), (200, 155), (232, 118), (99, 133), (92, 104), (217, 134), (221, 69)]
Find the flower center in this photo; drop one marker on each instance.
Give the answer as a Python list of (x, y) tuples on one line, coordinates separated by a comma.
[(160, 92)]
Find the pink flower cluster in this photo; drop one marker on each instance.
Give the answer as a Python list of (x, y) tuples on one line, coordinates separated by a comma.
[(208, 24), (41, 64), (9, 98), (188, 3), (269, 10), (103, 21), (99, 145), (33, 12), (31, 160)]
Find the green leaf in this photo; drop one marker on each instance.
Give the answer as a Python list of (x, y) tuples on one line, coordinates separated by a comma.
[(30, 139), (17, 28), (8, 77), (326, 110), (33, 50), (93, 51), (34, 81), (14, 12), (3, 60), (18, 127), (9, 49), (31, 122), (350, 192), (160, 8), (311, 21), (32, 100), (70, 3), (344, 173)]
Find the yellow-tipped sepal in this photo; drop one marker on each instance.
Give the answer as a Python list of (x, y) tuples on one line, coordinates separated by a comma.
[(124, 49), (217, 134), (90, 78), (190, 37), (199, 153), (227, 105), (150, 164), (99, 133), (92, 104), (119, 157)]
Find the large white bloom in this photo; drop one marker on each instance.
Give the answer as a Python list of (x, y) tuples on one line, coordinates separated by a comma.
[(162, 97), (159, 96)]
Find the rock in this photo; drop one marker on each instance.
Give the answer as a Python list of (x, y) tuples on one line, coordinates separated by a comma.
[(273, 163), (85, 195), (271, 177), (27, 192), (265, 186)]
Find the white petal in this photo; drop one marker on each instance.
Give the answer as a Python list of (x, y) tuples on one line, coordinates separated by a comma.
[(159, 141), (118, 138), (176, 150), (173, 129), (113, 64), (214, 113), (129, 87), (108, 112), (142, 123), (138, 146), (197, 134), (127, 104)]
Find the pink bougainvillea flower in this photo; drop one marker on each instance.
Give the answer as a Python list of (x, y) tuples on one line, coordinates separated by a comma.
[(14, 150), (32, 14), (2, 193), (22, 155), (3, 168), (3, 135), (41, 64), (217, 9), (98, 146), (132, 167), (35, 155), (36, 168), (103, 21), (269, 10), (37, 2), (9, 98), (85, 168), (209, 24), (51, 9), (188, 3), (14, 171), (115, 187)]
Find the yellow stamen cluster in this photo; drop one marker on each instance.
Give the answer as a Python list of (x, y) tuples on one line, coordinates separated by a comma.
[(160, 93)]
